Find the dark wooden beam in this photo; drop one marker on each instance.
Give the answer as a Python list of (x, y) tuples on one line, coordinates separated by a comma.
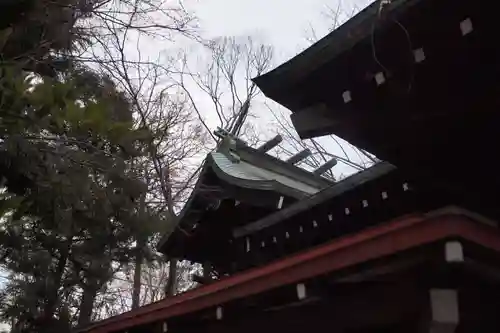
[(201, 279), (359, 307), (384, 240), (339, 188), (314, 121), (267, 146), (299, 156), (325, 167)]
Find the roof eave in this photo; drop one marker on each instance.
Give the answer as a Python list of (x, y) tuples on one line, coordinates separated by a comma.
[(411, 232), (292, 170), (341, 187), (277, 83)]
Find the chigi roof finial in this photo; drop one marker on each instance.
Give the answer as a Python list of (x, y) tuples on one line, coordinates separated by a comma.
[(227, 145)]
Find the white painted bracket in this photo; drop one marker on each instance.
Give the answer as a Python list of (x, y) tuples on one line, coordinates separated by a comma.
[(280, 202), (419, 55), (301, 291), (466, 26), (346, 96), (444, 310), (454, 251), (379, 78), (218, 313)]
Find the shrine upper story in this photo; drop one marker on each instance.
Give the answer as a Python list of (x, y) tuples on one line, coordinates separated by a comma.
[(238, 185), (420, 94), (414, 82)]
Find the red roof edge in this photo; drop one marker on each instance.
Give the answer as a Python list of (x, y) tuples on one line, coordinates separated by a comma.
[(375, 242)]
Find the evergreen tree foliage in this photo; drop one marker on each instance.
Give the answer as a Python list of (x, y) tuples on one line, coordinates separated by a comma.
[(69, 196)]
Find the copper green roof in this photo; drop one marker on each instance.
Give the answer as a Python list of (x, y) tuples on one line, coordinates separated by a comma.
[(248, 175), (244, 168)]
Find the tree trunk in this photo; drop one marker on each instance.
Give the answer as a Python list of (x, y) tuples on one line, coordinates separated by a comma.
[(172, 278), (136, 289), (53, 293), (171, 287), (87, 305), (207, 271), (139, 258)]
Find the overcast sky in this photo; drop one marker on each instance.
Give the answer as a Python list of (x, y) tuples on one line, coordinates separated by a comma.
[(282, 23)]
